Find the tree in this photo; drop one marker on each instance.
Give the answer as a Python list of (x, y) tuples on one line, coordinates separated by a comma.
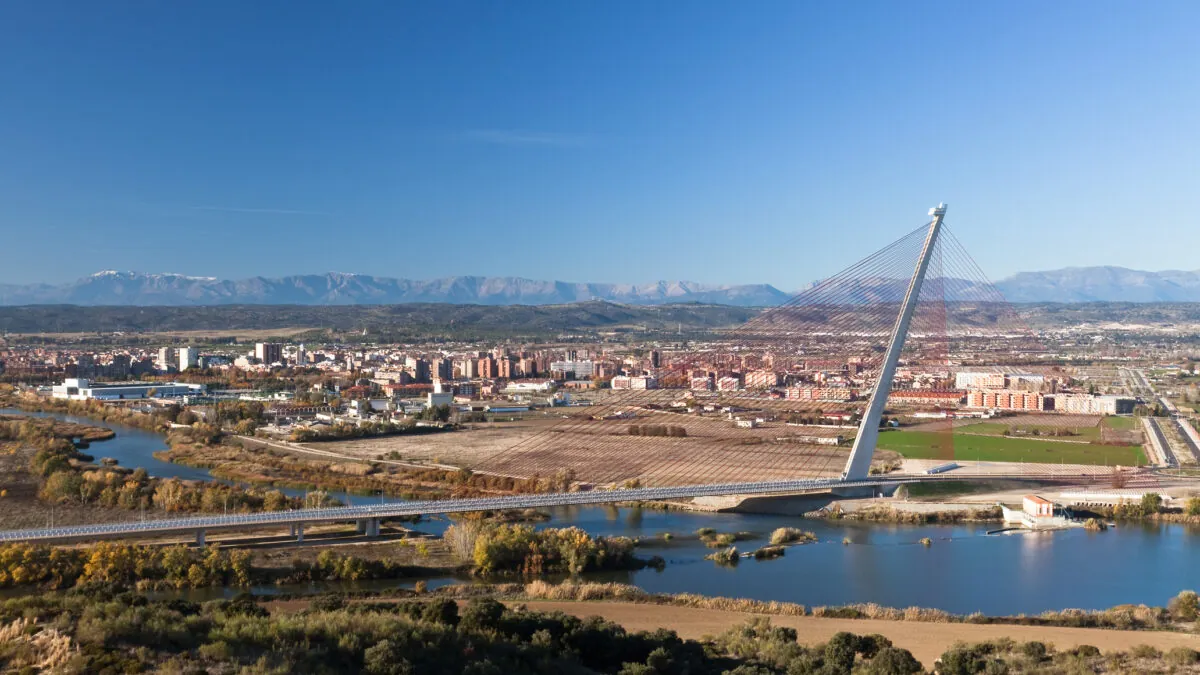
[(1185, 606)]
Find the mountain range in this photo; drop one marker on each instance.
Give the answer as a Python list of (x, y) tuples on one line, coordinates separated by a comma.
[(337, 288), (1069, 285)]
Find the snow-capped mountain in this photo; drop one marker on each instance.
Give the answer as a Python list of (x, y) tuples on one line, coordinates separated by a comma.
[(112, 287)]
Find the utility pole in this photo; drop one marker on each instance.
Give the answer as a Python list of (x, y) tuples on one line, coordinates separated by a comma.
[(859, 464)]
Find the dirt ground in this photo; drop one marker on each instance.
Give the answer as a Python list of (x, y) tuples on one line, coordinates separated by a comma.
[(605, 452), (927, 641)]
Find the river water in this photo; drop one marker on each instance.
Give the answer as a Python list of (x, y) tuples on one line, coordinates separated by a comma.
[(965, 570)]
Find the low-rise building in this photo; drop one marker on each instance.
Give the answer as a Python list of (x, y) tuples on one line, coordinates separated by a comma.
[(79, 389), (635, 383), (821, 394)]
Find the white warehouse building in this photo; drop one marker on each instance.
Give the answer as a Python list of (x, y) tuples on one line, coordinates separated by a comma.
[(79, 389)]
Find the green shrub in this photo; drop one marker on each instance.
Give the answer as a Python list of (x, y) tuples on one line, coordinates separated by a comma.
[(1185, 606), (893, 661), (1183, 656)]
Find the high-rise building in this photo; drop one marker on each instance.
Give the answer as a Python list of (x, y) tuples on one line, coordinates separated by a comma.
[(655, 359), (470, 368), (268, 352), (301, 356), (167, 358), (487, 367), (507, 367), (529, 367), (418, 368), (119, 367), (442, 369), (189, 357)]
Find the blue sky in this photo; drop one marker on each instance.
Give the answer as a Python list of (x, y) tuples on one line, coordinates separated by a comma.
[(592, 141)]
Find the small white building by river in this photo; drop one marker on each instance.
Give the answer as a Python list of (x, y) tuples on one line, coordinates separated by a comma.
[(1038, 513)]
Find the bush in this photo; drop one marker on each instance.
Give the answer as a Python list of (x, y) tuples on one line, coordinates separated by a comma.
[(728, 556), (1144, 652), (329, 602), (1185, 606), (789, 535), (893, 661), (1035, 651), (768, 552), (508, 549), (1183, 656), (482, 613)]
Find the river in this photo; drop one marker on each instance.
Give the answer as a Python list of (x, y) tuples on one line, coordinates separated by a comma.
[(965, 570)]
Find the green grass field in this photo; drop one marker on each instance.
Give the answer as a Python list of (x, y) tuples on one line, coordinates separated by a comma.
[(934, 445), (1120, 423)]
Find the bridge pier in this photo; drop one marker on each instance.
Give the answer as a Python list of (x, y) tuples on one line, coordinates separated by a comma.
[(200, 539), (297, 530), (866, 491), (367, 526)]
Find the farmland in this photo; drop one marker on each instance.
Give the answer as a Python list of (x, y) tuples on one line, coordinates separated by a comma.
[(963, 445)]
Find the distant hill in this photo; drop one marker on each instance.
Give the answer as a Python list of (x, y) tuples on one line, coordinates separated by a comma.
[(334, 288), (1068, 285), (1102, 284), (425, 320)]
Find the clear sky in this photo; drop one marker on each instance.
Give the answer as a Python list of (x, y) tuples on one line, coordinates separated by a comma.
[(725, 142)]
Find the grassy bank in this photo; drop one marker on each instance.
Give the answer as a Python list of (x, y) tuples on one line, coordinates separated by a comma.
[(886, 513), (1180, 614)]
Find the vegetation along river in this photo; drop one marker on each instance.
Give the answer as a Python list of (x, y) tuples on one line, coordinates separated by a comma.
[(964, 570)]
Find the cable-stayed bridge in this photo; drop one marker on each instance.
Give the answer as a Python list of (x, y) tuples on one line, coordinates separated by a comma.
[(906, 313)]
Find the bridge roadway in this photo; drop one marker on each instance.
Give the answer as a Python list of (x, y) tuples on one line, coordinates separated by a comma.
[(368, 516)]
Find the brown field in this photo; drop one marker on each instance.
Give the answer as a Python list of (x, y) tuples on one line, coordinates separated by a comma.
[(605, 452), (927, 641), (1053, 420)]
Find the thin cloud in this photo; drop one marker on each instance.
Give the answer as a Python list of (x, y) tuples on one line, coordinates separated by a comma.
[(528, 138), (274, 212)]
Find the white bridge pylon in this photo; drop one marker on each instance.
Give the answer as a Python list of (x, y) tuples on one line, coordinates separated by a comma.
[(859, 464)]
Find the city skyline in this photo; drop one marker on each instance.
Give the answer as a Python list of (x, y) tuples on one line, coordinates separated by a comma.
[(720, 146)]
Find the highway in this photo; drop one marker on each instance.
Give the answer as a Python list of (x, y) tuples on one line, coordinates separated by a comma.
[(1189, 435), (370, 515), (1159, 440)]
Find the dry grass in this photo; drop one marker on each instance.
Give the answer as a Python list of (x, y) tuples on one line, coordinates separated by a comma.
[(1122, 617), (23, 647), (584, 591), (791, 535)]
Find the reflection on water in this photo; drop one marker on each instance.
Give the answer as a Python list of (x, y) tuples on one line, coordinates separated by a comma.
[(132, 447), (964, 570)]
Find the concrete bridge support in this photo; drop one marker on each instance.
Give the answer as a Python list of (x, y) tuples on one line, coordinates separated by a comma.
[(368, 526), (200, 539), (865, 492), (297, 530)]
